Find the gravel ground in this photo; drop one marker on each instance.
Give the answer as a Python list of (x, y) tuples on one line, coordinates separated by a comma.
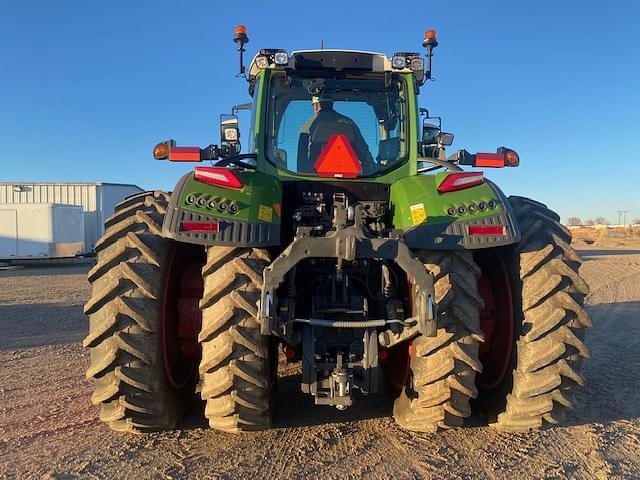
[(48, 427)]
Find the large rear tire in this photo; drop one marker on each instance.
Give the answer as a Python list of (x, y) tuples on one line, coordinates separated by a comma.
[(442, 369), (237, 367), (127, 363), (550, 323)]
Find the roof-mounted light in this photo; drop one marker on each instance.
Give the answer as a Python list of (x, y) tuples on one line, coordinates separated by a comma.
[(410, 60), (269, 56), (430, 39), (398, 61), (281, 58), (417, 64), (262, 61), (240, 34)]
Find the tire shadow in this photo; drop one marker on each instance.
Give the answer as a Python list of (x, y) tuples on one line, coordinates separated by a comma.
[(50, 268), (297, 409), (40, 324)]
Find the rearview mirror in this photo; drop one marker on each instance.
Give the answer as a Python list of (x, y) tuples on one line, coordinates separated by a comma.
[(430, 134), (445, 139)]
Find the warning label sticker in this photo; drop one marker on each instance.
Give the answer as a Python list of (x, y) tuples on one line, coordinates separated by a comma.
[(418, 213), (265, 213)]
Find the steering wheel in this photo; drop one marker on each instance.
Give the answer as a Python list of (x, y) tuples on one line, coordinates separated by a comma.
[(237, 161)]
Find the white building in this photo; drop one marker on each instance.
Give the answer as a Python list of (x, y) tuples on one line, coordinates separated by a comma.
[(49, 221)]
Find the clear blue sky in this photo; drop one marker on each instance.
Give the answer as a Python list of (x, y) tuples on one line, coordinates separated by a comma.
[(87, 88)]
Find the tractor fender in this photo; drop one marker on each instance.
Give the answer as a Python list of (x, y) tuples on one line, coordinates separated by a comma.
[(253, 221)]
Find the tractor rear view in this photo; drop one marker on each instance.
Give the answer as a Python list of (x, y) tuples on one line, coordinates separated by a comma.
[(347, 239)]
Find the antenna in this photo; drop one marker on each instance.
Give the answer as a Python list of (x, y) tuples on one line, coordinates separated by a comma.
[(321, 44)]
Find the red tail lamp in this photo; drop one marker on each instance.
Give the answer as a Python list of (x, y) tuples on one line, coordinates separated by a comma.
[(490, 160), (219, 176), (460, 181), (290, 353), (486, 230), (211, 227), (184, 154)]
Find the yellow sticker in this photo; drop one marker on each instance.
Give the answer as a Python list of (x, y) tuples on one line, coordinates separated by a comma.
[(418, 213), (265, 213)]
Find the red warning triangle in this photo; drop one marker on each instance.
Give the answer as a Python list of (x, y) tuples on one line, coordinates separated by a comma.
[(338, 159)]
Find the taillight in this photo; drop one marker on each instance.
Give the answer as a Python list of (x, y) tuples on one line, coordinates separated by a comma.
[(460, 181), (486, 229), (491, 160), (219, 176), (211, 227), (184, 154)]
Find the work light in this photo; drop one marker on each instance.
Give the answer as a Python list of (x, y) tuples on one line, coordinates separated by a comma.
[(398, 61), (262, 61), (281, 58)]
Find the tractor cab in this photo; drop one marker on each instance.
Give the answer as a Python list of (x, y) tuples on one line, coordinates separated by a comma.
[(336, 114)]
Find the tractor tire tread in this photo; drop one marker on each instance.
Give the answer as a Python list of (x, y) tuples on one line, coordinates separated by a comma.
[(235, 361), (124, 325), (443, 367), (549, 353)]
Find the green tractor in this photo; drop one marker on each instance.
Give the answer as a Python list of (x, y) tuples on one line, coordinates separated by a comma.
[(348, 241)]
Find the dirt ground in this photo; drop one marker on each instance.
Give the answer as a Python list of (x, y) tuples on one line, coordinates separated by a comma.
[(49, 429)]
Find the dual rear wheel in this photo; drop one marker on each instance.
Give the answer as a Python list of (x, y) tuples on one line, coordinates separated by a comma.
[(163, 316), (511, 332)]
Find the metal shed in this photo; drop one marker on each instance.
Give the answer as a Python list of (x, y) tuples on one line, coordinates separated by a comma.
[(97, 200)]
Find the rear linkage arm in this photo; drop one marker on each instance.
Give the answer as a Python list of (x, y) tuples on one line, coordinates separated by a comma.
[(349, 243)]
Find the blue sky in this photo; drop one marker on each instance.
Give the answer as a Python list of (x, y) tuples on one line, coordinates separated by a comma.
[(87, 88)]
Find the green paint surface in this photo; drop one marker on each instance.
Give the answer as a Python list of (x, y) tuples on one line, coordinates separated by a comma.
[(423, 190), (259, 199)]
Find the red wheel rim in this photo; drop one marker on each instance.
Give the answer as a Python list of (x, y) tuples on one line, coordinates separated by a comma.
[(181, 319), (399, 356), (398, 363), (496, 319)]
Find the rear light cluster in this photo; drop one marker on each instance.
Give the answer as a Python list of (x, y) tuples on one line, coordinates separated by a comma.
[(455, 211), (460, 180), (487, 230), (211, 202), (219, 176), (184, 154), (209, 227)]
